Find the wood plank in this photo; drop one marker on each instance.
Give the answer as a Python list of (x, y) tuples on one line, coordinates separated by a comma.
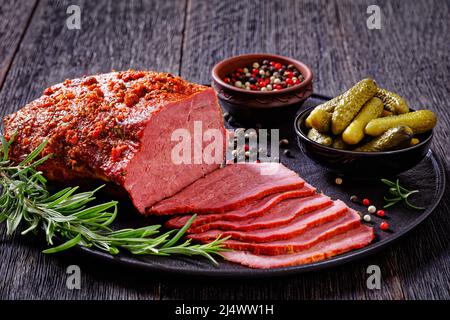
[(13, 23), (114, 35)]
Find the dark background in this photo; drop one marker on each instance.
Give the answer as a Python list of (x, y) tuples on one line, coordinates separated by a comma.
[(408, 55)]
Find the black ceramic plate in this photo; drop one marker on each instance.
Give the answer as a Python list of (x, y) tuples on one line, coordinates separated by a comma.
[(428, 176)]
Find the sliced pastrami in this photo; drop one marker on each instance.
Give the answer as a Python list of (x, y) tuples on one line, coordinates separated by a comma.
[(254, 209), (229, 188), (350, 240), (282, 213), (298, 226), (350, 220)]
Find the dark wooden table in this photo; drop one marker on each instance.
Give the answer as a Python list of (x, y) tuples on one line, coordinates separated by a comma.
[(410, 54)]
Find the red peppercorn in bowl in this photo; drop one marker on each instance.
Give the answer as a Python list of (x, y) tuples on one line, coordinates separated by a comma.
[(261, 88)]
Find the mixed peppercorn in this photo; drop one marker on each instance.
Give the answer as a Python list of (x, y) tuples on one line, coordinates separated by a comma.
[(265, 76), (371, 209), (384, 225)]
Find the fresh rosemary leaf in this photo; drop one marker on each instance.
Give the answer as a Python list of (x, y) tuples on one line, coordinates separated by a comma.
[(33, 154), (400, 194), (33, 224), (5, 148), (60, 196), (14, 221), (66, 245), (180, 232)]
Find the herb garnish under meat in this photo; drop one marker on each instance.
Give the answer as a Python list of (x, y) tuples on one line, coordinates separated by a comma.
[(25, 200)]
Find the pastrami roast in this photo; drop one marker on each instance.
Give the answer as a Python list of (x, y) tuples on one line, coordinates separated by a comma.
[(229, 188), (253, 209), (118, 127)]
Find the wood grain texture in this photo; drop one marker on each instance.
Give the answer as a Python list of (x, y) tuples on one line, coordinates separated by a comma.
[(408, 55), (114, 35), (14, 19)]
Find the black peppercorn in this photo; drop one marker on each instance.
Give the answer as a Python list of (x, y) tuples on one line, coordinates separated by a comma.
[(288, 153)]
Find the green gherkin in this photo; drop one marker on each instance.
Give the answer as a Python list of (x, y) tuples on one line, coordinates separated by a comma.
[(320, 120), (338, 143), (350, 104), (318, 116), (419, 121), (392, 101), (319, 137), (393, 139), (330, 104), (354, 132)]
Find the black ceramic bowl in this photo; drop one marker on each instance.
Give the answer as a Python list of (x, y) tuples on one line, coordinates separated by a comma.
[(360, 164)]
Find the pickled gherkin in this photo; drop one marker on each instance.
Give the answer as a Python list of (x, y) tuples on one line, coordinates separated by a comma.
[(326, 106), (392, 101), (386, 113), (320, 120), (338, 143), (419, 121), (393, 139), (329, 105), (354, 133), (414, 141), (351, 103), (319, 137)]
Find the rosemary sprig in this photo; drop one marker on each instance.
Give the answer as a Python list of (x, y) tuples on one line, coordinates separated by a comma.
[(398, 194), (25, 200)]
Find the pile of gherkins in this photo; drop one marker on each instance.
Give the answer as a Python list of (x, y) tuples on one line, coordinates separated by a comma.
[(368, 118)]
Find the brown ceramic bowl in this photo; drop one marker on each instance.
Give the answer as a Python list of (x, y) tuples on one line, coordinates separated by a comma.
[(260, 106)]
